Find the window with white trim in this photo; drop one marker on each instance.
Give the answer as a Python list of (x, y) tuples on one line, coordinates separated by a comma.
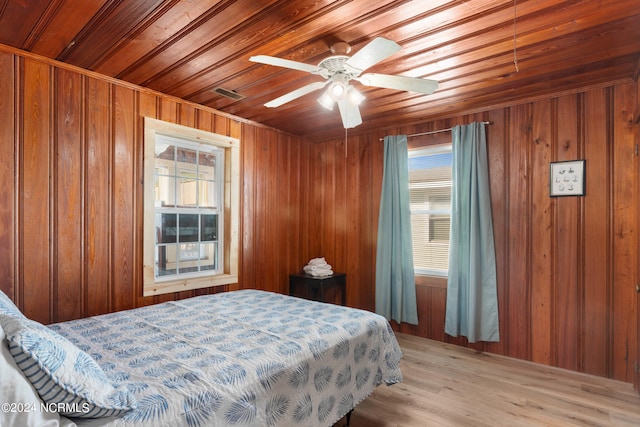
[(189, 184), (191, 208), (430, 202)]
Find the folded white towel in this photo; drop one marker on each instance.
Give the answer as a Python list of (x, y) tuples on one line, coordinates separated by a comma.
[(309, 269), (317, 261), (320, 273), (317, 267)]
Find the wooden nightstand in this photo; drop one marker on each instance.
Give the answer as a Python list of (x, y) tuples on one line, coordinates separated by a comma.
[(332, 289)]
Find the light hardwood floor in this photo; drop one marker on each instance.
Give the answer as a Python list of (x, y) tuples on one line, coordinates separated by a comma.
[(447, 385)]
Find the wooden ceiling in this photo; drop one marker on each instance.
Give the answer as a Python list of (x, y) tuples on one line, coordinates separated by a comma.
[(484, 53)]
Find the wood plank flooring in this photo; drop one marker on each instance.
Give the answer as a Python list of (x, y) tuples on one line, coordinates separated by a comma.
[(447, 385)]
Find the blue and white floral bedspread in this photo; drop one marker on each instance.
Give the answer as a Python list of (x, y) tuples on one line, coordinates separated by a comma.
[(243, 358)]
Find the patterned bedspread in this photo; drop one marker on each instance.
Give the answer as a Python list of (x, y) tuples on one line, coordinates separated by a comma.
[(243, 358)]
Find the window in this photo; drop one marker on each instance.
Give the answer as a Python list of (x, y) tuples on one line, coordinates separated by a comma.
[(430, 201), (188, 184), (191, 208)]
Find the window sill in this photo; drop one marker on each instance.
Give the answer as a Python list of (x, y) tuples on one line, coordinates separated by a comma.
[(431, 281), (159, 288)]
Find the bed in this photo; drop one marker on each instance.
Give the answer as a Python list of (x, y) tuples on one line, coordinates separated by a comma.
[(242, 358)]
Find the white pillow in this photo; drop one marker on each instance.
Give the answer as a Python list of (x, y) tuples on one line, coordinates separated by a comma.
[(7, 306), (61, 373), (21, 403)]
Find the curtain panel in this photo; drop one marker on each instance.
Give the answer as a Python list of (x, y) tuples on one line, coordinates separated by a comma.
[(395, 279), (472, 303)]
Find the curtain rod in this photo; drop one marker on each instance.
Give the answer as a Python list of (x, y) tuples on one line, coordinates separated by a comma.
[(435, 131)]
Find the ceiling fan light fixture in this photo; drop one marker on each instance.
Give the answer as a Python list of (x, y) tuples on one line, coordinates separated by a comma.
[(326, 101), (354, 96), (337, 90)]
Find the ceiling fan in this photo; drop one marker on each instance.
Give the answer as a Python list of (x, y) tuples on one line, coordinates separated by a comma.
[(339, 69)]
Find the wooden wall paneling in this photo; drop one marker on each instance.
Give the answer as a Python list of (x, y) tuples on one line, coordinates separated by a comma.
[(147, 107), (35, 196), (167, 109), (138, 202), (438, 300), (355, 195), (287, 185), (625, 251), (268, 208), (234, 129), (280, 215), (517, 328), (204, 120), (187, 115), (248, 274), (260, 214), (567, 220), (329, 228), (542, 285), (597, 238), (97, 189), (8, 173), (124, 137), (68, 232), (264, 216), (305, 207), (221, 125), (295, 233), (373, 181), (316, 187), (497, 151), (341, 206), (356, 260), (636, 377)]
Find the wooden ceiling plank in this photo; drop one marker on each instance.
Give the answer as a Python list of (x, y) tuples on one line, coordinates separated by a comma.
[(60, 24), (431, 54), (213, 35), (18, 19), (112, 24), (171, 25)]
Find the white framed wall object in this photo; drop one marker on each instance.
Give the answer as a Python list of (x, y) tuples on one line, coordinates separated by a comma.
[(567, 178)]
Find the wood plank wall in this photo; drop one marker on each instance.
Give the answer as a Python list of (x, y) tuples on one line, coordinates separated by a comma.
[(567, 267), (71, 205)]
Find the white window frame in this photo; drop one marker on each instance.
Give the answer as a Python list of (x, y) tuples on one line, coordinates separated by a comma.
[(230, 210), (178, 209), (421, 152)]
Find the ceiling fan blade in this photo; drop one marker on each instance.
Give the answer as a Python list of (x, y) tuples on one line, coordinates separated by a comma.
[(350, 114), (286, 63), (412, 84), (374, 52), (296, 94)]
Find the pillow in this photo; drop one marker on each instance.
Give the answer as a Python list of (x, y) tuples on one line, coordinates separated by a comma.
[(16, 390), (63, 375), (7, 307)]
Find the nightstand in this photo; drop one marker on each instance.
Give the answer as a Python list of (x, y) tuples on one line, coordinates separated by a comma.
[(332, 289)]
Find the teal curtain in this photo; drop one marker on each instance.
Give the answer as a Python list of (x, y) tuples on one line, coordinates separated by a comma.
[(395, 279), (472, 303)]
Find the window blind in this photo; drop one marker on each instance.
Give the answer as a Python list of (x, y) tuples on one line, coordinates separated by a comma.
[(430, 203)]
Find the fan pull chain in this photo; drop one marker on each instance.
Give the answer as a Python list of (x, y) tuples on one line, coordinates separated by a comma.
[(345, 143), (515, 53)]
